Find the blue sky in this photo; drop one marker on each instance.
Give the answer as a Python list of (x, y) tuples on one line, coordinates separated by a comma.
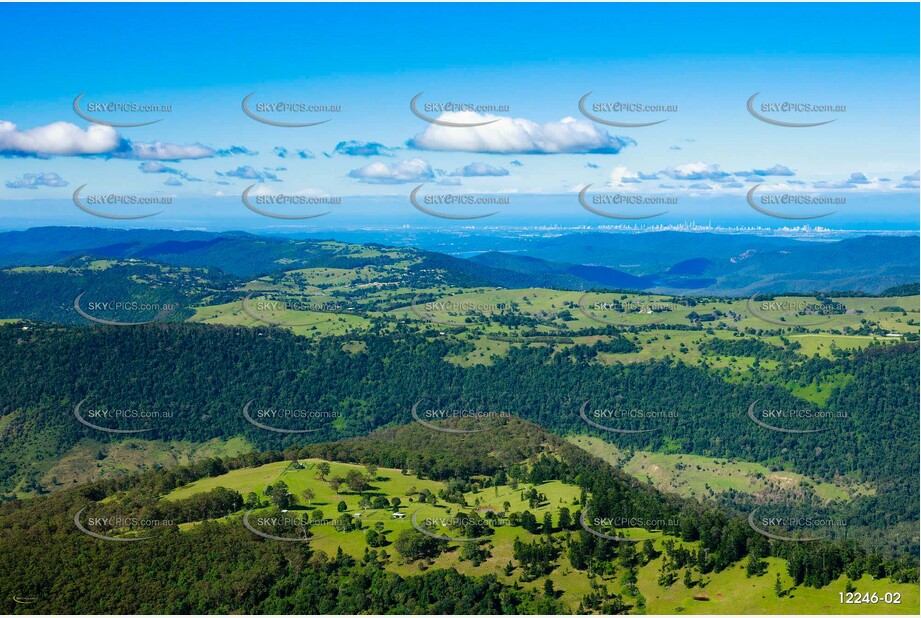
[(702, 61)]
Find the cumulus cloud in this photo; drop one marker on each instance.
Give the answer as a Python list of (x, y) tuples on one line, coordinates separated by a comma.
[(160, 151), (518, 135), (248, 172), (283, 153), (156, 167), (479, 169), (775, 170), (675, 148), (236, 150), (592, 166), (355, 148), (34, 181), (859, 179), (834, 184), (851, 182), (413, 170), (621, 176), (912, 177), (695, 171), (700, 186), (172, 182), (57, 139), (516, 163), (63, 139)]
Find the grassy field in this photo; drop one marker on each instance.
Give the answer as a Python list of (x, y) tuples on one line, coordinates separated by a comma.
[(380, 291), (729, 591), (89, 460), (694, 476)]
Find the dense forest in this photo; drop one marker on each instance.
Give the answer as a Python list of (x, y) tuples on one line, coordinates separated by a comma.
[(195, 381), (61, 569)]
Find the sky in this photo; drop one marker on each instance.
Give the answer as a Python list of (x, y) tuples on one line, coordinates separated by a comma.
[(523, 70)]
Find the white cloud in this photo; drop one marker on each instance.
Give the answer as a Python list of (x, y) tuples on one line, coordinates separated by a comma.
[(518, 135), (695, 171), (57, 138), (160, 151), (34, 181), (413, 170), (620, 176), (480, 169), (248, 172), (64, 139), (774, 170)]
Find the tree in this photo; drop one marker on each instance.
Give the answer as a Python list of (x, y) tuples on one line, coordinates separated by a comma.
[(356, 481), (412, 545), (688, 582), (280, 495), (374, 538), (323, 469), (308, 496), (471, 550), (529, 522), (336, 483), (649, 551), (778, 587), (342, 506), (565, 519), (371, 469), (755, 566)]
